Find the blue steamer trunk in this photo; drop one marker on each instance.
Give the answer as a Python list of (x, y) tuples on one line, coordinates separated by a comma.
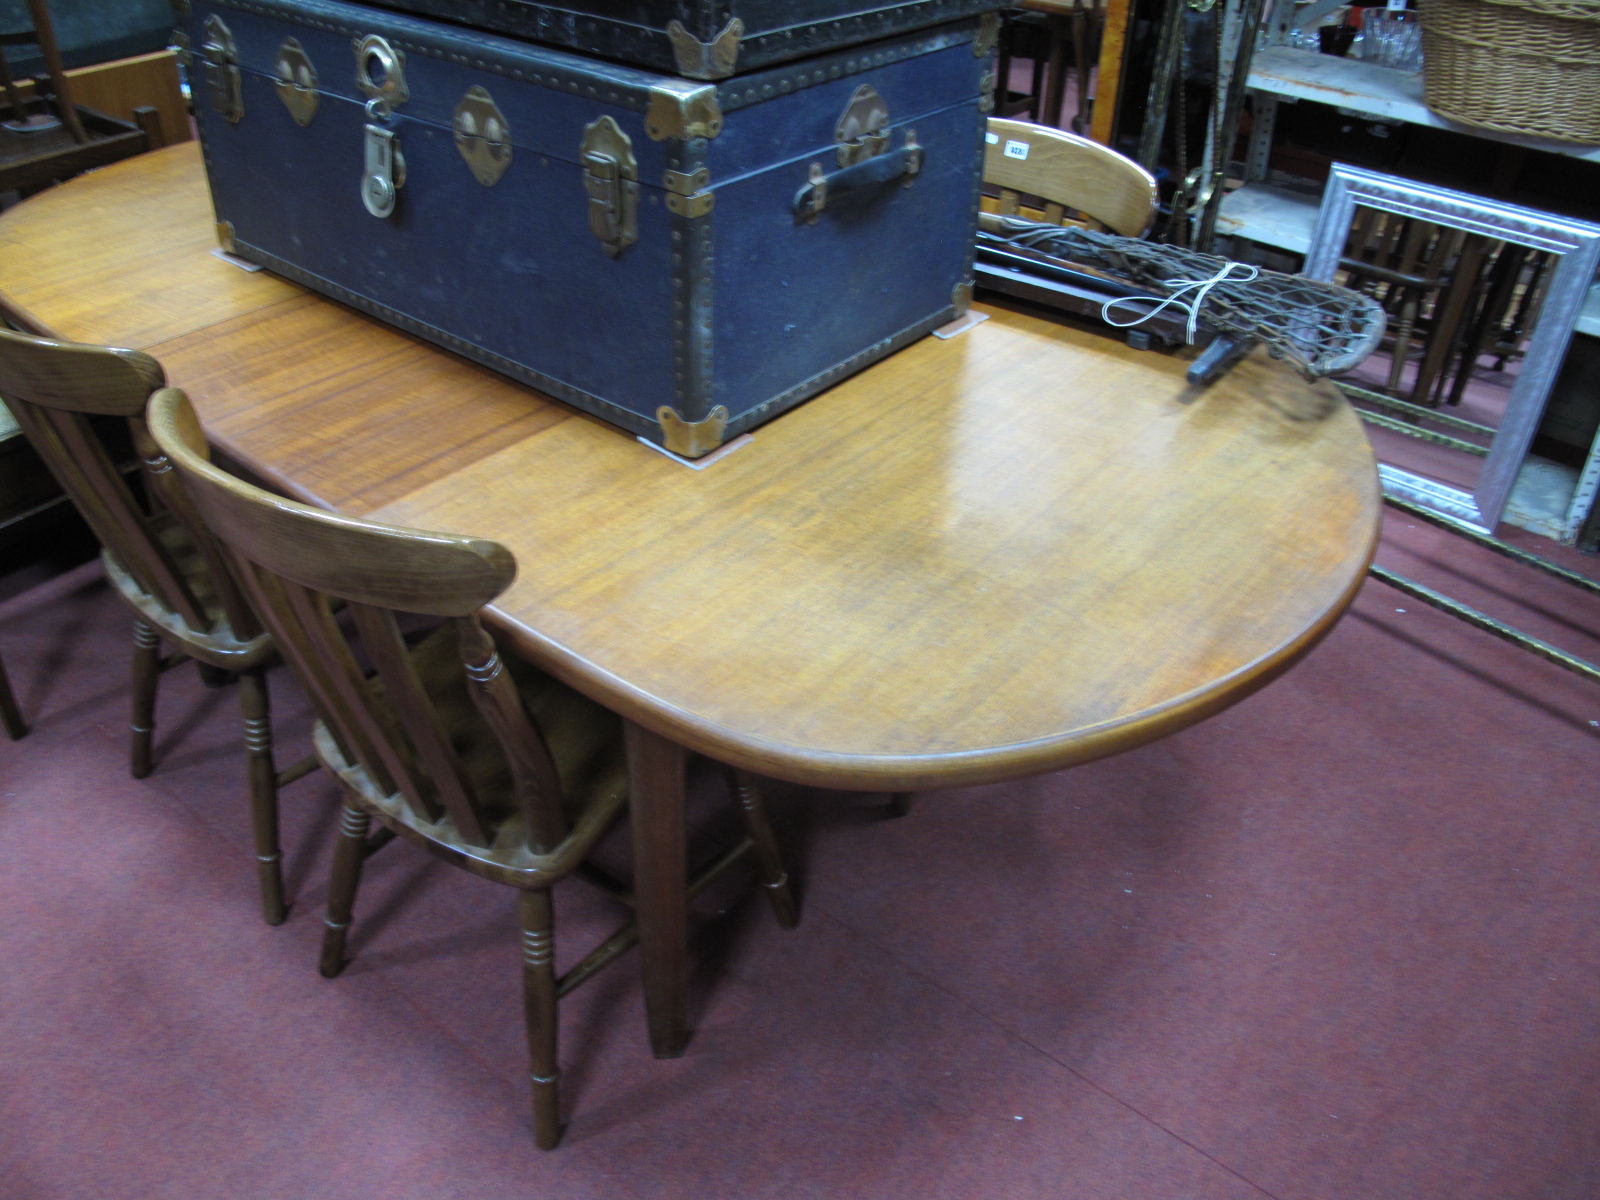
[(700, 39), (685, 260)]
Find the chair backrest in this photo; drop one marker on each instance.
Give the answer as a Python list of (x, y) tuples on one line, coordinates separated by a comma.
[(52, 389), (43, 34), (292, 559), (1068, 172)]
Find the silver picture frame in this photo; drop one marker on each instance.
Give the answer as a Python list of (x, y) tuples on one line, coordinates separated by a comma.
[(1578, 244)]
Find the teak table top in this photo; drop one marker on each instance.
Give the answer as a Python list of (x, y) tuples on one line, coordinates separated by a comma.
[(1023, 548)]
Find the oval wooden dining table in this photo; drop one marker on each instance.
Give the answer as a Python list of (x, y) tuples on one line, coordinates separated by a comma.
[(987, 557)]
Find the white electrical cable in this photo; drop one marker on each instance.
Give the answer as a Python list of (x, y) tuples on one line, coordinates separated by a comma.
[(1192, 307)]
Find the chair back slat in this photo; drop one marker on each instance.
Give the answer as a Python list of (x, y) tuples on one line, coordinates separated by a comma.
[(393, 760), (164, 489), (293, 558), (52, 388), (380, 635), (269, 595), (72, 453), (533, 770)]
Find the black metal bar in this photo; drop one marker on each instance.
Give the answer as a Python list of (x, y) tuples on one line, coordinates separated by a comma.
[(1361, 267), (1168, 43), (1416, 410), (1486, 623), (1231, 103), (1493, 543), (1427, 435)]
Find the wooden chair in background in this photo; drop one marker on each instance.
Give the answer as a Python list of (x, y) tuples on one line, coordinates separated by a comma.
[(39, 147), (1040, 30), (1070, 174), (485, 761), (43, 35), (1049, 175), (161, 562)]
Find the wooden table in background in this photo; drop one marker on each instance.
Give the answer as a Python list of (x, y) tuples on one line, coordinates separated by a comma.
[(1003, 554)]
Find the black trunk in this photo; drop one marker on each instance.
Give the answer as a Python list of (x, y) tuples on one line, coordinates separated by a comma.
[(701, 39)]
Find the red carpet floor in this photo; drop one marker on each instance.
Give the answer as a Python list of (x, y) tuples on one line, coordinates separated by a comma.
[(1342, 941)]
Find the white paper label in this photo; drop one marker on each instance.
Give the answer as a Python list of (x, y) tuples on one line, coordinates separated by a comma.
[(1016, 149), (994, 138)]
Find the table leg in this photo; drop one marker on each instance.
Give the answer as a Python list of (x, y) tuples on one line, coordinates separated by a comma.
[(656, 782)]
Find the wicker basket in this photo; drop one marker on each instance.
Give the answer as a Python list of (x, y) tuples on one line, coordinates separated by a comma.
[(1515, 66)]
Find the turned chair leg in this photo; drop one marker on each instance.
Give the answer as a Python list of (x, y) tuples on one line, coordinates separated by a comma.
[(146, 674), (9, 712), (348, 855), (539, 1010), (257, 710), (773, 877)]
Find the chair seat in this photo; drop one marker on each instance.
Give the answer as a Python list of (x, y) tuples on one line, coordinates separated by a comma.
[(218, 646), (584, 739)]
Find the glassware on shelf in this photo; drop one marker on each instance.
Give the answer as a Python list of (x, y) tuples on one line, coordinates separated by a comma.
[(1392, 38)]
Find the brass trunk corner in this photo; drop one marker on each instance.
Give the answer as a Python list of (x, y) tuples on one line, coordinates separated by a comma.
[(706, 60), (692, 439), (988, 34), (683, 110)]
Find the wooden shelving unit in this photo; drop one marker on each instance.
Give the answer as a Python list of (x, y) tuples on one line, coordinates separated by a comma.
[(1283, 219)]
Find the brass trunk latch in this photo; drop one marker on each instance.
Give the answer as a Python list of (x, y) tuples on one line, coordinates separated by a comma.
[(611, 179), (863, 130), (483, 136), (224, 84), (381, 76), (297, 82), (385, 172)]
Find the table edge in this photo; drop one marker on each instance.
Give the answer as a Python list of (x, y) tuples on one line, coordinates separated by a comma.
[(927, 772)]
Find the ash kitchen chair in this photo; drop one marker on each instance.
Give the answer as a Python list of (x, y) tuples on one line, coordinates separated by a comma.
[(1069, 173), (161, 562), (485, 761)]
